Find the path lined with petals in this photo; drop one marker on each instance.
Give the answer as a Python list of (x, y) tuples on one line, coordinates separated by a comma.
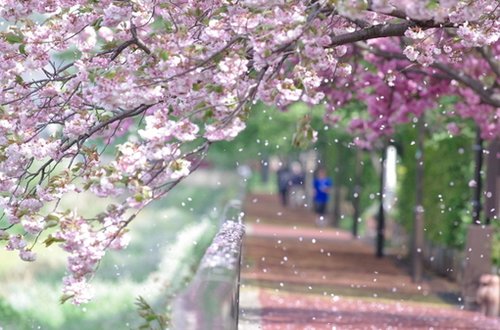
[(297, 276)]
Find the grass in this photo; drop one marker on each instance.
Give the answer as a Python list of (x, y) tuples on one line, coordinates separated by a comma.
[(168, 239)]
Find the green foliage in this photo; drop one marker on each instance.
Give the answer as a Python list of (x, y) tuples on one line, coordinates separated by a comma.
[(9, 316), (13, 38), (304, 134), (268, 132), (448, 167), (447, 193), (496, 243), (257, 186), (152, 319), (338, 154)]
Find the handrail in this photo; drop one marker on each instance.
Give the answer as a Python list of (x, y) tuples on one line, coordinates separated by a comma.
[(211, 299), (235, 205)]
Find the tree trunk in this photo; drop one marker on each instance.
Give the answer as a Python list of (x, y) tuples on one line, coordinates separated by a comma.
[(381, 215), (418, 221), (492, 203), (476, 202), (356, 218), (336, 205)]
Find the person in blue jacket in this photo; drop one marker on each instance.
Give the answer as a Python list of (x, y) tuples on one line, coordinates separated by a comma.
[(322, 186)]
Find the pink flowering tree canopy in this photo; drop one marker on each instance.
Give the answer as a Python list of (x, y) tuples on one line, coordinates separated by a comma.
[(156, 82)]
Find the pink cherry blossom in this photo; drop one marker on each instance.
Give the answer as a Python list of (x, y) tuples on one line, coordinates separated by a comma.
[(87, 39), (27, 255), (169, 81)]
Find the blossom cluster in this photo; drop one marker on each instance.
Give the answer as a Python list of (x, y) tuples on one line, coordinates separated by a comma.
[(171, 77)]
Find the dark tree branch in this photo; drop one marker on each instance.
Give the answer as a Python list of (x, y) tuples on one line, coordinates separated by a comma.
[(488, 56), (373, 32), (486, 94), (383, 30)]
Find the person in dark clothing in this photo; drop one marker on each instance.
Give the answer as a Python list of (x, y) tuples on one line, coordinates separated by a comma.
[(284, 181), (297, 192), (322, 185)]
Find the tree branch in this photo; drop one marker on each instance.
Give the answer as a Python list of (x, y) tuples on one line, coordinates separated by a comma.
[(383, 30), (486, 94), (228, 45), (488, 56), (397, 13), (373, 32)]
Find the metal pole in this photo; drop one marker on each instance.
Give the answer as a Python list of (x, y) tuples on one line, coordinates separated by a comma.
[(418, 222), (476, 202), (357, 193), (381, 215)]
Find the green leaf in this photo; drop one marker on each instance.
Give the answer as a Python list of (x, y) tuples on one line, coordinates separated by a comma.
[(198, 12), (52, 220), (97, 23), (109, 45), (77, 167), (87, 185), (208, 114), (51, 223), (310, 134), (110, 74), (19, 80), (52, 217), (196, 87), (65, 298), (215, 88), (51, 240), (13, 38), (433, 4), (22, 49), (164, 55), (4, 236)]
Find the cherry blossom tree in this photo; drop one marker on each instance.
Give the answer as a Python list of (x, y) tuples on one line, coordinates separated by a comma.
[(174, 76)]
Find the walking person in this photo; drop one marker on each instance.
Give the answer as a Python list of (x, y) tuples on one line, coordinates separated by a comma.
[(297, 191), (284, 182), (322, 186)]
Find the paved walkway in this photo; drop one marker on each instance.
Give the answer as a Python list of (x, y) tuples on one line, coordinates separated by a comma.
[(297, 276)]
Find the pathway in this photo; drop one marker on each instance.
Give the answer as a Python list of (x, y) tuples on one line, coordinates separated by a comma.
[(297, 276)]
